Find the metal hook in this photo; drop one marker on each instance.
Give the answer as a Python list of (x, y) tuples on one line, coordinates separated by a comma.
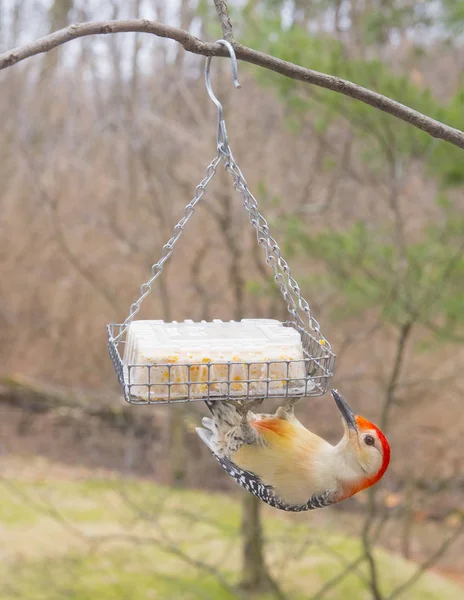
[(221, 135)]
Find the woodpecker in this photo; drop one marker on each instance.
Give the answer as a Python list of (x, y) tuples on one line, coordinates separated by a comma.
[(277, 459)]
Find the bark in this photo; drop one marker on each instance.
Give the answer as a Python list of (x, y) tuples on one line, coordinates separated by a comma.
[(177, 451), (254, 573)]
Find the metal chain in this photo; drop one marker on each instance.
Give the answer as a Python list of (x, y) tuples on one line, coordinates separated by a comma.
[(288, 286), (167, 249)]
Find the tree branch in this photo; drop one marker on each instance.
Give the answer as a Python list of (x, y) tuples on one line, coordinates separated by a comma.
[(429, 562), (196, 46), (223, 14)]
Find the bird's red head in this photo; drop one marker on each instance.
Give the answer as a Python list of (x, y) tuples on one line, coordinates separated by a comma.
[(364, 427), (369, 446)]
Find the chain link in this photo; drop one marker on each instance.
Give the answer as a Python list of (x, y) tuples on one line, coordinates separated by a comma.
[(167, 249), (289, 287), (297, 306)]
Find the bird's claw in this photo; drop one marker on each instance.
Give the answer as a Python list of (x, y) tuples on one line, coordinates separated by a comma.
[(246, 407), (287, 409)]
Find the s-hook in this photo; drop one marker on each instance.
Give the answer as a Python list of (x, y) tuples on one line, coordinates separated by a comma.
[(221, 131)]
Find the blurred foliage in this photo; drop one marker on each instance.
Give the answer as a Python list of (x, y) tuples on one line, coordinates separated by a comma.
[(384, 134), (372, 267), (454, 15)]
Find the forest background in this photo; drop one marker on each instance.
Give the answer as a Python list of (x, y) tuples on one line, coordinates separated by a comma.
[(103, 141)]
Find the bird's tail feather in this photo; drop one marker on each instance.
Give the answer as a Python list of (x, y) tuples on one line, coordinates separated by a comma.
[(218, 431), (206, 437)]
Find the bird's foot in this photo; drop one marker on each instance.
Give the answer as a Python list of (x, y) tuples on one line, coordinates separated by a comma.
[(287, 410), (246, 407)]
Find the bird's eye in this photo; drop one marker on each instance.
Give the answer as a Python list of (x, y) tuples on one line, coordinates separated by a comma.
[(369, 440)]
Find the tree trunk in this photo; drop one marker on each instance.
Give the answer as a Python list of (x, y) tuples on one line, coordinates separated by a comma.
[(255, 577), (186, 16), (58, 16), (177, 452)]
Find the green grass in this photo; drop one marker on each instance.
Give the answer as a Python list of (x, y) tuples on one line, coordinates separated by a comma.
[(133, 540)]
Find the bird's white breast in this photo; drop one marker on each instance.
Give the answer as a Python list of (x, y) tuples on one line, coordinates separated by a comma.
[(297, 470)]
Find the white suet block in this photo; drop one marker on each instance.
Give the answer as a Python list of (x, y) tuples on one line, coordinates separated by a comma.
[(198, 352)]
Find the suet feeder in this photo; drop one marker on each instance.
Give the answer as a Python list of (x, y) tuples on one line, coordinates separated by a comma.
[(159, 363)]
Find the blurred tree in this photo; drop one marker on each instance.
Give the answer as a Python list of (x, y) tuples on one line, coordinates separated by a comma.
[(255, 577), (58, 17), (420, 281), (367, 244)]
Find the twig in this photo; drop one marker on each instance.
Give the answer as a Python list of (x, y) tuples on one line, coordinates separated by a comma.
[(60, 236), (192, 44), (366, 537), (95, 541), (374, 584), (431, 560), (337, 579), (405, 334), (49, 511), (223, 14), (174, 550)]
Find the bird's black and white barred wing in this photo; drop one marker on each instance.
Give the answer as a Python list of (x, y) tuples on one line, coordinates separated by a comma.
[(252, 483)]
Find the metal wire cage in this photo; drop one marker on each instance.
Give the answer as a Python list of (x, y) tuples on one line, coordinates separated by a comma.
[(171, 382)]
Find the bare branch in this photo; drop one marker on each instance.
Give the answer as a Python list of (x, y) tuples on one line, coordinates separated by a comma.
[(223, 14), (429, 562), (338, 578), (405, 334), (192, 44), (61, 240)]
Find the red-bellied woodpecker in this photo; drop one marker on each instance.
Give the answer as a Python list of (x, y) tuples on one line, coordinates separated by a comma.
[(287, 466)]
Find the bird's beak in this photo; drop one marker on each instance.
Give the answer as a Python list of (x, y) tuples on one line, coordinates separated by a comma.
[(347, 413)]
